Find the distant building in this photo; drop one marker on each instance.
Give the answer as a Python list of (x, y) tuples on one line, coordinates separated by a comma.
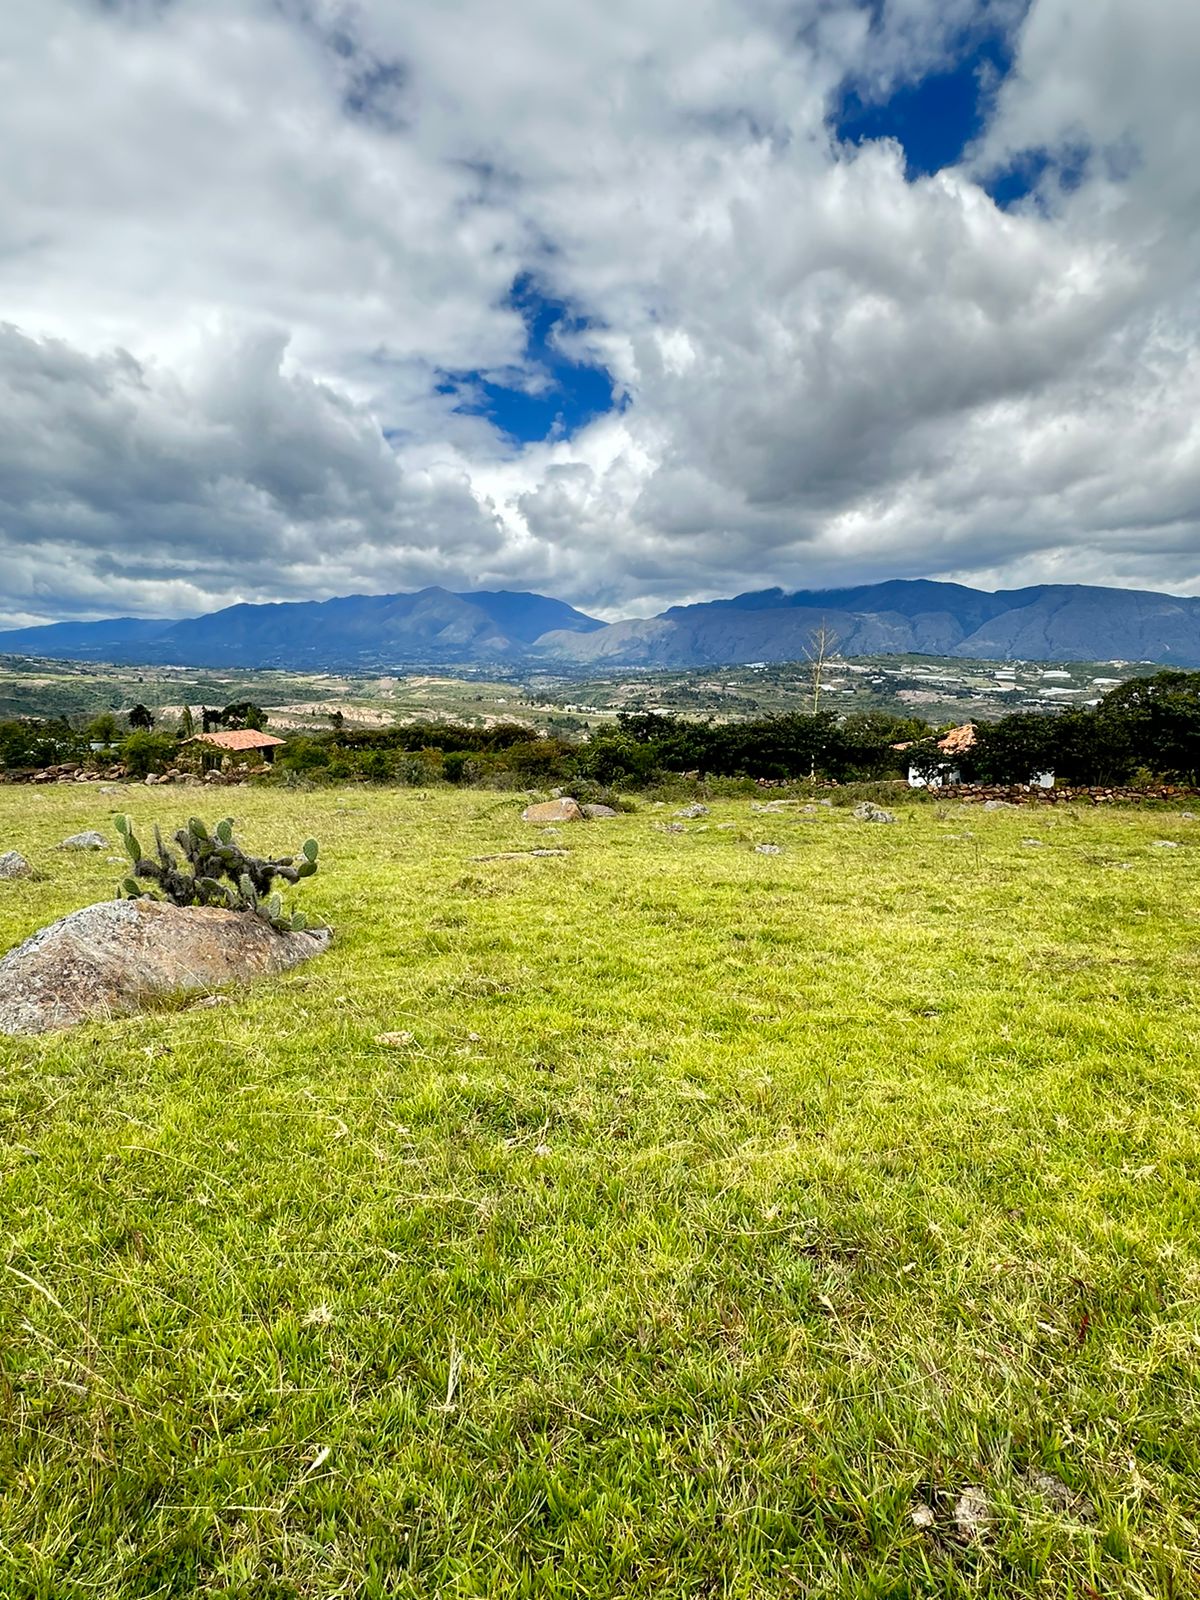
[(239, 742), (954, 744)]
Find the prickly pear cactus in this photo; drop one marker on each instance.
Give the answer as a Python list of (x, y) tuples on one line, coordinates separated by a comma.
[(211, 869)]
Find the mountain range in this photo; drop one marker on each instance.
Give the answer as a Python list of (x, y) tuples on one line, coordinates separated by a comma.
[(437, 628)]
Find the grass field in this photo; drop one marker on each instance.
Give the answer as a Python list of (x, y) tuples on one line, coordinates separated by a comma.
[(708, 1213)]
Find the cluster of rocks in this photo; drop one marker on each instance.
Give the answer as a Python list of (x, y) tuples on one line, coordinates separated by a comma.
[(72, 772), (216, 775), (237, 774), (68, 772)]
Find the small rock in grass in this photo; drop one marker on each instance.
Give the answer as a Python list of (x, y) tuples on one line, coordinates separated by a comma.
[(722, 826), (210, 1000), (869, 812), (1058, 1496), (923, 1517), (521, 855), (565, 809), (671, 827), (1034, 844), (595, 812), (997, 805), (14, 865), (1166, 844), (693, 811), (84, 841), (395, 1041), (768, 849), (972, 1512)]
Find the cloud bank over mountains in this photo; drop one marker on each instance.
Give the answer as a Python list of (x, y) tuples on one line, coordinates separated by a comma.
[(307, 297)]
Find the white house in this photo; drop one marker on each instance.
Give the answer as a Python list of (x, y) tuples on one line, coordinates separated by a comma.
[(954, 744)]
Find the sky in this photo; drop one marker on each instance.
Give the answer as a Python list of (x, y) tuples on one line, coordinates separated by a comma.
[(633, 303)]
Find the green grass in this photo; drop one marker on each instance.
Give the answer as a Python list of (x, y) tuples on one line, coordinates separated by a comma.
[(719, 1208)]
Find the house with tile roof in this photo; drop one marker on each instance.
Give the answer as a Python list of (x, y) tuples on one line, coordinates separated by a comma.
[(248, 743), (953, 746)]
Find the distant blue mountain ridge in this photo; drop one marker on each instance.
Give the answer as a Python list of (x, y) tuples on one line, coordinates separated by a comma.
[(435, 628)]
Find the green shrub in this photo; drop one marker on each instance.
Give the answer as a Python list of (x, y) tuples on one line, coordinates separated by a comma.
[(304, 755), (143, 753)]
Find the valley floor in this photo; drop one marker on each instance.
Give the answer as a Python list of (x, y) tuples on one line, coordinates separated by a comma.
[(662, 1219)]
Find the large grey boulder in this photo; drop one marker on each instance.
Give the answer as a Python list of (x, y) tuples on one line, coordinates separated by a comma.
[(595, 812), (111, 958), (14, 865)]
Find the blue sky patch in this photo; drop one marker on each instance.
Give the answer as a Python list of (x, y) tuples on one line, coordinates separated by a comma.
[(1068, 167), (936, 118), (561, 395)]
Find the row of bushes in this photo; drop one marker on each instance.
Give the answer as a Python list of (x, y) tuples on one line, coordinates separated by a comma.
[(639, 749), (1146, 729)]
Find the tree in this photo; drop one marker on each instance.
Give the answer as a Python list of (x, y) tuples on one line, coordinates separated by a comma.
[(144, 752), (187, 723), (244, 714), (103, 729), (1014, 749), (28, 742), (1153, 723), (821, 644), (868, 740), (140, 718)]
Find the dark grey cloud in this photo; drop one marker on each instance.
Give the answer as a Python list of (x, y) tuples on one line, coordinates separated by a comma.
[(115, 472)]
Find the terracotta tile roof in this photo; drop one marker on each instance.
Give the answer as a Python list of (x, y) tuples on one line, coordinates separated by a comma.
[(239, 739), (955, 743), (959, 740)]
